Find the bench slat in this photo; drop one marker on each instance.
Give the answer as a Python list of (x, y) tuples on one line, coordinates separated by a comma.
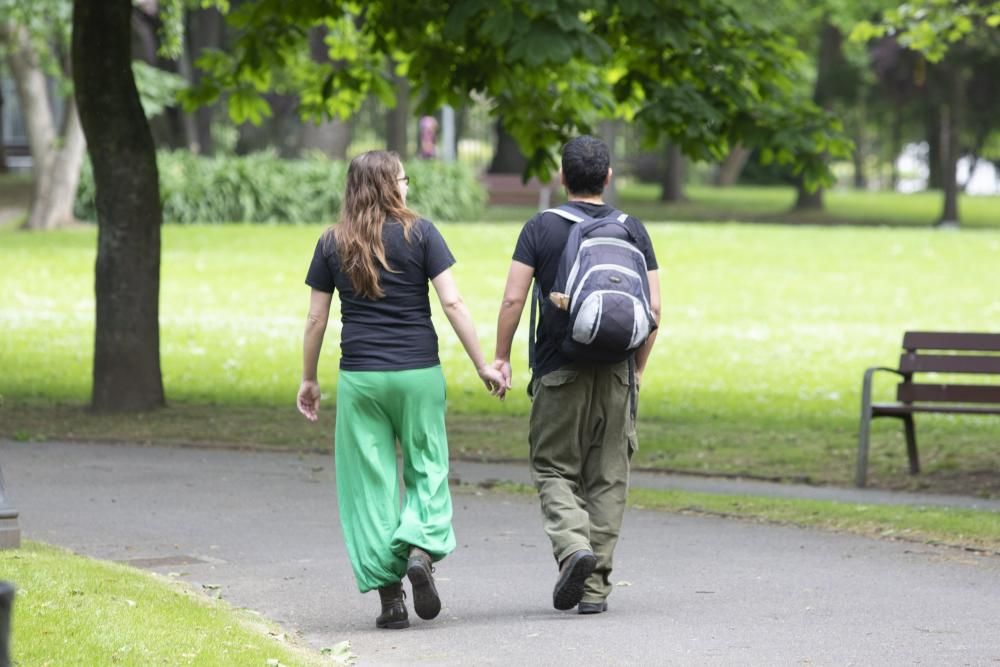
[(890, 409), (951, 340), (948, 363), (909, 392)]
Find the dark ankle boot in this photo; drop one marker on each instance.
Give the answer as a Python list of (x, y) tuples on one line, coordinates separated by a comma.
[(426, 602), (393, 616)]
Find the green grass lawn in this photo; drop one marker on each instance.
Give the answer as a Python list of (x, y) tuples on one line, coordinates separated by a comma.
[(766, 332), (71, 610)]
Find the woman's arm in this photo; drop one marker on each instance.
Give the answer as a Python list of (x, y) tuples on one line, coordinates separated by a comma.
[(461, 321), (312, 343)]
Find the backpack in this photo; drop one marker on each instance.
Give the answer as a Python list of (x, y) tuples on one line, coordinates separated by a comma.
[(598, 310)]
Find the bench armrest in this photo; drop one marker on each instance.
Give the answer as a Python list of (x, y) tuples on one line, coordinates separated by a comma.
[(866, 383), (866, 418)]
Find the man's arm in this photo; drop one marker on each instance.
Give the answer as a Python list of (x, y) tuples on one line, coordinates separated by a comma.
[(515, 295), (642, 354)]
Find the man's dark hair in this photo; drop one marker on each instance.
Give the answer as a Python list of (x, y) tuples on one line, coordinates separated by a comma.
[(585, 163)]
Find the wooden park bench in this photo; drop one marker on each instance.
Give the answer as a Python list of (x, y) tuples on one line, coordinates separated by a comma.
[(509, 190), (950, 353)]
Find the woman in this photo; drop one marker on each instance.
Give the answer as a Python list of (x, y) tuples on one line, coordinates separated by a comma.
[(379, 258)]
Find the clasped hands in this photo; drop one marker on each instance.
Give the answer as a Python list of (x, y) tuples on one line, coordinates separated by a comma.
[(496, 377)]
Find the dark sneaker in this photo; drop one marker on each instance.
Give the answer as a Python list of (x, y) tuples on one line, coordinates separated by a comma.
[(593, 607), (572, 576), (393, 616), (426, 602)]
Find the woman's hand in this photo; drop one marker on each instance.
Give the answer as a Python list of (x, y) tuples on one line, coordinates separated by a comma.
[(494, 380), (308, 399)]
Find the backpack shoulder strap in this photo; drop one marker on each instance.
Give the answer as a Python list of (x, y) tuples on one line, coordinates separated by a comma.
[(565, 214), (536, 306), (630, 225)]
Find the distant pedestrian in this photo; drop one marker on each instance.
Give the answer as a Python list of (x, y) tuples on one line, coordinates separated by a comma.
[(428, 127), (379, 259), (594, 337)]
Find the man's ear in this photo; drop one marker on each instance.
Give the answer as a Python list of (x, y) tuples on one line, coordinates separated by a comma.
[(562, 178), (607, 179)]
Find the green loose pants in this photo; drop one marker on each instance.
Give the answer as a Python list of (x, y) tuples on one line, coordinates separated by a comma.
[(582, 437), (375, 409)]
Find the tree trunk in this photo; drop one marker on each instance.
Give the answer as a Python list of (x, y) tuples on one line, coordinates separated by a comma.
[(808, 201), (949, 118), (205, 29), (332, 137), (34, 97), (728, 171), (673, 175), (858, 161), (897, 143), (127, 340), (508, 158), (397, 119), (3, 142), (53, 208), (188, 120), (949, 164), (860, 143), (55, 157), (830, 45), (932, 129)]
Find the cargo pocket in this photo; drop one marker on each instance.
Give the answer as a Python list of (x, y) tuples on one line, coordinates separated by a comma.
[(550, 394), (558, 378), (551, 419)]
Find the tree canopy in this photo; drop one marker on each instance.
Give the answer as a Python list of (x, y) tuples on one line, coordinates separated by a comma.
[(696, 72), (931, 26)]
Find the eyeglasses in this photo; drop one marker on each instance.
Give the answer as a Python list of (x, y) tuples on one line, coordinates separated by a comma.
[(404, 179)]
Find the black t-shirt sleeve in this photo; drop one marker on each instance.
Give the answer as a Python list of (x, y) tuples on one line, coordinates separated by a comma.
[(646, 246), (320, 275), (526, 250), (437, 255)]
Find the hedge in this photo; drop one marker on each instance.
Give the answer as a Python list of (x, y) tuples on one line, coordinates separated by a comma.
[(263, 188)]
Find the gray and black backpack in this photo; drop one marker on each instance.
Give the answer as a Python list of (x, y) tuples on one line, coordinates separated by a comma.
[(598, 310)]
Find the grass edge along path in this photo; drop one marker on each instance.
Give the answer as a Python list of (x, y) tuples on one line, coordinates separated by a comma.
[(70, 609), (976, 531)]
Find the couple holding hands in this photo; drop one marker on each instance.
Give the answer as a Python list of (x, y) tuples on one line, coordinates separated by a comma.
[(380, 258)]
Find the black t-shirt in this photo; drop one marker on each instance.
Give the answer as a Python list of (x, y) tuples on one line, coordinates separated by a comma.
[(395, 332), (540, 245)]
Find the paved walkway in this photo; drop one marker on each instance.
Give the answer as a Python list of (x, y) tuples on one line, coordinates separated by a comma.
[(690, 590)]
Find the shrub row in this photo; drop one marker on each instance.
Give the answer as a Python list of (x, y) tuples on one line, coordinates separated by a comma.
[(263, 188)]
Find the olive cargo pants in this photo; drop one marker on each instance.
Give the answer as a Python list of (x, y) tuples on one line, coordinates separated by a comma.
[(582, 436)]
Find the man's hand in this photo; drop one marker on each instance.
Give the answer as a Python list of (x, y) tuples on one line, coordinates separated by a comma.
[(503, 365), (308, 399), (494, 380)]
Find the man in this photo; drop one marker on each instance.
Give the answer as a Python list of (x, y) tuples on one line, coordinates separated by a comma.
[(582, 429)]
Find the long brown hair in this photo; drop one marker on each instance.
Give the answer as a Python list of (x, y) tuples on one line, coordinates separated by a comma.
[(372, 196)]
